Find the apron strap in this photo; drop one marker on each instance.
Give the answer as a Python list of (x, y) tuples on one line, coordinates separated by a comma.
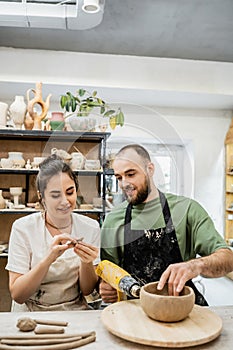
[(166, 212), (128, 215)]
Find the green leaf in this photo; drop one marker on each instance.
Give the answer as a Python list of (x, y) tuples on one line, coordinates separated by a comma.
[(94, 93), (102, 109), (108, 113), (73, 104), (81, 92), (67, 106), (101, 102), (121, 119), (94, 104), (82, 107), (83, 104), (63, 101)]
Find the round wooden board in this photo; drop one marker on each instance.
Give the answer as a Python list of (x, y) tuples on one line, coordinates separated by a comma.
[(127, 320)]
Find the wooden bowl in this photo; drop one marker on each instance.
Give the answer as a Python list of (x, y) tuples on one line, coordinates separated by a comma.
[(158, 305)]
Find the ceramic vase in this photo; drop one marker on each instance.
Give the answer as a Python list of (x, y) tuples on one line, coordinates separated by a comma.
[(2, 201), (18, 111), (3, 114)]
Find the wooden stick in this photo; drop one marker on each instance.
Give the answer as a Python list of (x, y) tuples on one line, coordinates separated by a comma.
[(48, 330), (36, 341), (65, 346), (51, 322), (48, 336)]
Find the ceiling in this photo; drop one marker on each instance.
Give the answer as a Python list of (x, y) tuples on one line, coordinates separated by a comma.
[(186, 29)]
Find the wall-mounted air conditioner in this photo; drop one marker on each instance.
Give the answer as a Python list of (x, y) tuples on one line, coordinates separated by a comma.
[(67, 14)]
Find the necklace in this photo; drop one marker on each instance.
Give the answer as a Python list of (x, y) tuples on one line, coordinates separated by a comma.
[(58, 228)]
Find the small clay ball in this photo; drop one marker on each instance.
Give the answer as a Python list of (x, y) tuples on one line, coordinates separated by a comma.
[(26, 324)]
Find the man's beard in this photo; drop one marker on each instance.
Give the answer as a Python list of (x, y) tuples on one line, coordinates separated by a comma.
[(141, 196)]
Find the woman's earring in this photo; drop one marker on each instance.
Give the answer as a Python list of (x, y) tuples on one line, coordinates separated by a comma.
[(39, 196)]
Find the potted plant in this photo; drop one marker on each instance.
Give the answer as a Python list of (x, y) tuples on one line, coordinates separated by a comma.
[(84, 103)]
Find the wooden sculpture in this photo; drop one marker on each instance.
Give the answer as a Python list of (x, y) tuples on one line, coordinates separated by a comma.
[(37, 99)]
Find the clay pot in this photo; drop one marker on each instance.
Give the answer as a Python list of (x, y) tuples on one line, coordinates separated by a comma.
[(2, 201), (17, 158), (77, 161), (158, 305), (7, 163), (92, 164), (82, 123), (57, 121)]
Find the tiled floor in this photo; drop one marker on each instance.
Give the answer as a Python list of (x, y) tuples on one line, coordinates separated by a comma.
[(217, 291)]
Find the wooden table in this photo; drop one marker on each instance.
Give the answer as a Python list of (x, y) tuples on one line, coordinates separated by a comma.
[(80, 321)]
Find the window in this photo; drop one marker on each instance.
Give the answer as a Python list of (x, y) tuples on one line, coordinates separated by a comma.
[(169, 160)]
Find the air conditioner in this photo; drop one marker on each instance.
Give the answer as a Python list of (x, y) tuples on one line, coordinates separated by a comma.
[(67, 14)]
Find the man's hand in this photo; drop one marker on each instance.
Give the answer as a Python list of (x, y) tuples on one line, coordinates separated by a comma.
[(215, 265), (107, 292), (176, 275)]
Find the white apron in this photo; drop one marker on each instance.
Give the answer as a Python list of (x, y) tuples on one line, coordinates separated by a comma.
[(60, 289)]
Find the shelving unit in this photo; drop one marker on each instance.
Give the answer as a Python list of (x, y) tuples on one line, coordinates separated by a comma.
[(229, 184), (33, 143)]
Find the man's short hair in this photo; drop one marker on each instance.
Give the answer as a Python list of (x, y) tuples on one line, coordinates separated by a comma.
[(141, 151)]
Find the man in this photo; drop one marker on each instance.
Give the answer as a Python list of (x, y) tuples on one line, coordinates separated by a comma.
[(156, 236)]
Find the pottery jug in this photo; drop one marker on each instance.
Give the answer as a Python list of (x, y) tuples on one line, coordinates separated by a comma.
[(37, 100), (3, 114), (18, 111), (2, 201)]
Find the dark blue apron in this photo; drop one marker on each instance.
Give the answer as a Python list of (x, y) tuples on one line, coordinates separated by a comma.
[(147, 253)]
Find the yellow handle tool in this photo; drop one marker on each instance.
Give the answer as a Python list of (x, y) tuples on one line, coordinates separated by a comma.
[(119, 279)]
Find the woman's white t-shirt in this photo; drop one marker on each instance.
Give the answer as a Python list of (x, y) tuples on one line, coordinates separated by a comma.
[(28, 245)]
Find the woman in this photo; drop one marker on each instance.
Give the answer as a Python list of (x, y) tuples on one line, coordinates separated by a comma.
[(50, 268)]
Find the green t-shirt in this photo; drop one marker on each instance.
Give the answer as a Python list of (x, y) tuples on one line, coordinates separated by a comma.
[(194, 228)]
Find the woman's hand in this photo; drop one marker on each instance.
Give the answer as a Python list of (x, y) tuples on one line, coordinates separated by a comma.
[(60, 244), (87, 252), (87, 277), (107, 292)]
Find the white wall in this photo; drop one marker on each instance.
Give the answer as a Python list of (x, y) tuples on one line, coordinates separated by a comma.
[(207, 131)]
